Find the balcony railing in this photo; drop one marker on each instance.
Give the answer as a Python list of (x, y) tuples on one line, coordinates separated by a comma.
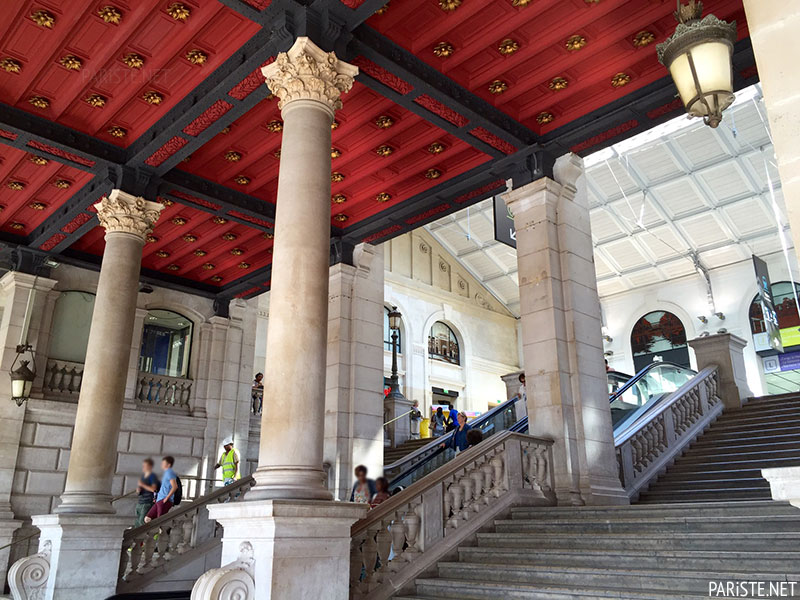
[(161, 390), (63, 377)]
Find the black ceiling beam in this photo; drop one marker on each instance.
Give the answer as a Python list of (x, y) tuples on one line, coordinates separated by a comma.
[(262, 17), (427, 80), (33, 128), (223, 196), (256, 278), (364, 12)]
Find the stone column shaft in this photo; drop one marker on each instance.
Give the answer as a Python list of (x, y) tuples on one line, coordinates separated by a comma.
[(92, 462), (562, 348), (308, 82)]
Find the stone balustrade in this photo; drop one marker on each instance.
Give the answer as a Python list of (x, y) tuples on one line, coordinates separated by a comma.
[(653, 442), (63, 377), (154, 547), (161, 390), (413, 529)]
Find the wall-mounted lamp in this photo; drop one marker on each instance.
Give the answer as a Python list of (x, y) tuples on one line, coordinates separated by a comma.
[(608, 338), (720, 315), (608, 353), (703, 319), (723, 330), (22, 377)]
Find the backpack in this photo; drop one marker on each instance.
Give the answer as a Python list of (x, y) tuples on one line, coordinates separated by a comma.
[(178, 495)]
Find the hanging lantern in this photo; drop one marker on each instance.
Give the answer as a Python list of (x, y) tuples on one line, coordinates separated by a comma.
[(22, 377), (394, 319), (699, 56)]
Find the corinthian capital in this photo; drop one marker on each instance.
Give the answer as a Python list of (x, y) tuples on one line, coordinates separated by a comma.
[(306, 72), (123, 213)]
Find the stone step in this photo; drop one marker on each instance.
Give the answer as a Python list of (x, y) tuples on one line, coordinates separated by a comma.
[(683, 581), (726, 495), (729, 472), (740, 452), (662, 559), (629, 542), (654, 524), (700, 448), (775, 399), (682, 467), (636, 511), (749, 426), (701, 484), (476, 590), (769, 436), (762, 415)]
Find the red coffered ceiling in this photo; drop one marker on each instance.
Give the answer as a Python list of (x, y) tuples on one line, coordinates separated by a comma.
[(32, 188), (193, 244), (111, 68), (536, 34), (378, 148)]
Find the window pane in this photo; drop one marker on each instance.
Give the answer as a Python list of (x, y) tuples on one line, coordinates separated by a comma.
[(166, 340)]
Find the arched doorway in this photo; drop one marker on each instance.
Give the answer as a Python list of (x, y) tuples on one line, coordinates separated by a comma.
[(659, 336), (781, 370)]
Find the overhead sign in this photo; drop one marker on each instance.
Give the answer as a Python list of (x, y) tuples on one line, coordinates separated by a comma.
[(771, 338), (504, 230)]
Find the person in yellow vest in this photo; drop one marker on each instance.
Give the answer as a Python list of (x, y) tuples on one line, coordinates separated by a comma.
[(229, 461)]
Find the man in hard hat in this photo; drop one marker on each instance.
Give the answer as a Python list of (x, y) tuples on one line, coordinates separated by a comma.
[(229, 461)]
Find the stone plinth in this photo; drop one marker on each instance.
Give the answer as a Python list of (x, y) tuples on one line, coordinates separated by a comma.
[(78, 558), (784, 483), (725, 351), (512, 383), (299, 550), (395, 409)]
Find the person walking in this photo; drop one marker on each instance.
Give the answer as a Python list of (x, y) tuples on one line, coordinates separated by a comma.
[(438, 422), (459, 441), (522, 398), (147, 487), (229, 461), (452, 417), (416, 417), (166, 493), (364, 489)]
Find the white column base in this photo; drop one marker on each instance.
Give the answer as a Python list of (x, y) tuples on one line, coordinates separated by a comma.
[(83, 552), (300, 548), (8, 525), (784, 483)]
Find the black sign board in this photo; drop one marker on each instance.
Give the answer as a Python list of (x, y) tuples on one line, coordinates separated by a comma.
[(504, 230), (773, 330)]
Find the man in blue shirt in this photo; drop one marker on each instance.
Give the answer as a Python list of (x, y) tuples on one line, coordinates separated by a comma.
[(147, 488), (166, 493)]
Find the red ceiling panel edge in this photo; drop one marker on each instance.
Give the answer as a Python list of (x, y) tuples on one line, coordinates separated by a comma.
[(167, 150), (428, 213), (76, 222), (54, 241), (249, 219), (494, 141), (209, 116), (665, 109), (251, 83), (381, 234), (437, 108), (60, 153), (480, 191), (606, 135), (380, 74), (258, 4), (8, 135), (195, 200)]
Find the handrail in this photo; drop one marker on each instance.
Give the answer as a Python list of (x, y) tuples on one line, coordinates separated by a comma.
[(415, 528), (400, 417), (435, 442), (640, 375), (190, 505), (650, 444)]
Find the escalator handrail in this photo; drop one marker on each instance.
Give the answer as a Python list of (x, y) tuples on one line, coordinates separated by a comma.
[(640, 375), (664, 404), (477, 422), (443, 440)]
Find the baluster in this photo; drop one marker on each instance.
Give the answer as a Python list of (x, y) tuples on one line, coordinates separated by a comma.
[(70, 380), (131, 555), (159, 386), (384, 541), (487, 470), (398, 532), (61, 374), (162, 544), (541, 468), (49, 376), (184, 528), (466, 486), (499, 483), (356, 563), (477, 488), (139, 393), (370, 551), (456, 497), (80, 381), (149, 393), (152, 557), (411, 525)]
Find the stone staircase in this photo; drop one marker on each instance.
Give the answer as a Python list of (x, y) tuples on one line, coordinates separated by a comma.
[(643, 552), (725, 462), (392, 455)]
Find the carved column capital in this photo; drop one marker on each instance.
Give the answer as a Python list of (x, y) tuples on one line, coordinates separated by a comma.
[(120, 212), (306, 72)]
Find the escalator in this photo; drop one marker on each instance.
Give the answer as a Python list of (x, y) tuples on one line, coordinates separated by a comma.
[(631, 398)]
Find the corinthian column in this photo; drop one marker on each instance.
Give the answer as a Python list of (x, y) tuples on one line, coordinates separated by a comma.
[(309, 83), (127, 220)]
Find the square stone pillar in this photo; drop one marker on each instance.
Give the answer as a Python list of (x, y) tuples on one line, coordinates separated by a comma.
[(298, 549), (395, 409), (724, 350), (773, 28), (79, 557), (561, 335), (15, 291), (354, 409)]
